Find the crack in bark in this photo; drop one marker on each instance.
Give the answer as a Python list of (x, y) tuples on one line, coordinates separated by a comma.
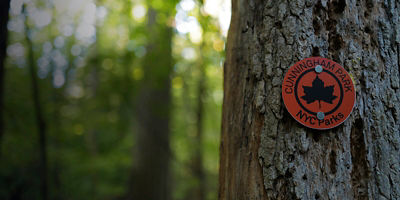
[(359, 171), (332, 162), (398, 60)]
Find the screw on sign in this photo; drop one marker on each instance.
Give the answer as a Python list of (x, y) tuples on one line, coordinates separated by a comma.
[(318, 93)]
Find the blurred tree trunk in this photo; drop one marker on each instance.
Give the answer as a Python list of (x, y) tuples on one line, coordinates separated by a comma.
[(198, 168), (265, 153), (4, 7), (91, 134), (40, 121), (57, 135), (151, 162), (57, 122)]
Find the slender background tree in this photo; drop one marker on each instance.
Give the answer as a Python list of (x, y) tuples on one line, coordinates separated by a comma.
[(39, 117), (5, 6), (151, 176)]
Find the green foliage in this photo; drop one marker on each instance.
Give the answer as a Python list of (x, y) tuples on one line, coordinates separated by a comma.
[(90, 59)]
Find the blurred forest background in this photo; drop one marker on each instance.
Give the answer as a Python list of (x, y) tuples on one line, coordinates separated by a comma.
[(106, 99)]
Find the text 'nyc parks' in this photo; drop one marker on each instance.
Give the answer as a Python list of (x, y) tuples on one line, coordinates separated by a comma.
[(318, 93)]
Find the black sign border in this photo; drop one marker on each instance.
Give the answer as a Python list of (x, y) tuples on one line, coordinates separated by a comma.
[(314, 113)]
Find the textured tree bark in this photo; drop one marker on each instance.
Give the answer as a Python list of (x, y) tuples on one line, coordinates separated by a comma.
[(4, 7), (151, 167), (265, 153)]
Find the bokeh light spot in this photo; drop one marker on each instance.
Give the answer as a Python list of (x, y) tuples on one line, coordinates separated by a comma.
[(177, 82), (137, 73), (218, 45), (189, 53), (16, 50), (138, 12)]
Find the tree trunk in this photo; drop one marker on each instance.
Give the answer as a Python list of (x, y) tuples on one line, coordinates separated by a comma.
[(40, 122), (151, 168), (265, 153), (4, 7), (198, 168)]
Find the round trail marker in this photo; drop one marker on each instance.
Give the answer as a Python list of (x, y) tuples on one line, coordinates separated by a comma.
[(318, 92)]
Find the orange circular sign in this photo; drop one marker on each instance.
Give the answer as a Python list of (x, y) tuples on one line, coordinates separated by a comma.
[(318, 93)]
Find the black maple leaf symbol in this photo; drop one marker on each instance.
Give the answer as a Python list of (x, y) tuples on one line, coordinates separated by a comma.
[(318, 92)]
